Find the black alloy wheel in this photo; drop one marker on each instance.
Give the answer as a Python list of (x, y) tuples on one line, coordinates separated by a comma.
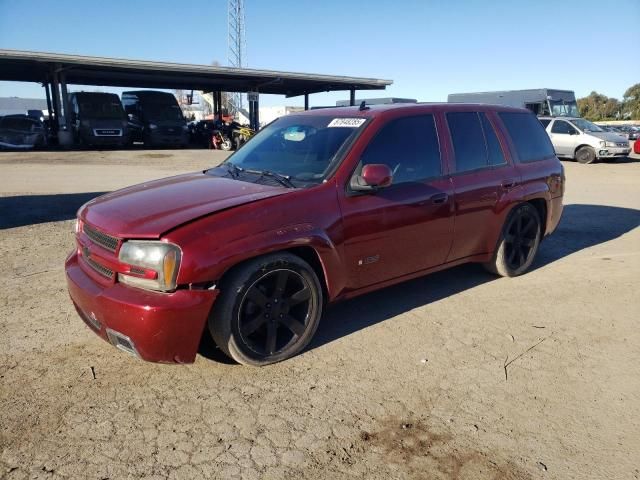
[(268, 309), (518, 243), (275, 311), (520, 239)]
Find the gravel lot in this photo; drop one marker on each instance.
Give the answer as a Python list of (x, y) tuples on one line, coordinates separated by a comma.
[(457, 375)]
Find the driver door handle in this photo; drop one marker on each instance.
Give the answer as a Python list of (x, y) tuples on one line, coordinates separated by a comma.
[(509, 184), (439, 198)]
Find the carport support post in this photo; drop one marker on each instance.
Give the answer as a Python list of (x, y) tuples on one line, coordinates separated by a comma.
[(254, 113), (56, 101), (220, 105), (65, 102), (215, 104), (306, 101), (352, 97), (48, 94)]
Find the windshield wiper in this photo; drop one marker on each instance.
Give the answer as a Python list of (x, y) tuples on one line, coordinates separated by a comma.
[(284, 180), (232, 169)]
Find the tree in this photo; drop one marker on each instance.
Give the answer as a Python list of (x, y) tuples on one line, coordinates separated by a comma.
[(631, 102), (599, 107)]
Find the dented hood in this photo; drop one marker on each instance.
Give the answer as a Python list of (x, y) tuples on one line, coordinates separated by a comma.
[(150, 209)]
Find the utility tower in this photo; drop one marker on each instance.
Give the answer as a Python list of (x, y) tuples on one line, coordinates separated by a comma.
[(236, 46)]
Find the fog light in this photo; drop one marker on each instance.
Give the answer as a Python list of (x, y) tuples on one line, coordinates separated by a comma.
[(122, 342)]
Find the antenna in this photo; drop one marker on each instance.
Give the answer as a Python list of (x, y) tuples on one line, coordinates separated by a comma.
[(237, 47)]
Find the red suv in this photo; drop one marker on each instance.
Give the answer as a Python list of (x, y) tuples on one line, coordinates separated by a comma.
[(317, 207)]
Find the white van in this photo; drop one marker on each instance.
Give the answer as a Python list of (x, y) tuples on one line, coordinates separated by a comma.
[(582, 140)]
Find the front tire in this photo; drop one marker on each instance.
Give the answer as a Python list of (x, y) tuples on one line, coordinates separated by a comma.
[(226, 144), (586, 155), (518, 244), (268, 310)]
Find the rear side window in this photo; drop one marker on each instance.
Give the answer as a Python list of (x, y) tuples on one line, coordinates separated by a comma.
[(409, 146), (529, 138), (474, 141)]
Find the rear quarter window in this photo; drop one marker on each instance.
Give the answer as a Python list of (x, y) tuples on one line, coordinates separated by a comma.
[(528, 136)]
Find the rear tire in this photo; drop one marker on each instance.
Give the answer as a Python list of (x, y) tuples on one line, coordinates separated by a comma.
[(518, 243), (586, 155), (268, 310)]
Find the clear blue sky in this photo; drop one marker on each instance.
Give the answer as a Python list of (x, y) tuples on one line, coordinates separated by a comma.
[(429, 48)]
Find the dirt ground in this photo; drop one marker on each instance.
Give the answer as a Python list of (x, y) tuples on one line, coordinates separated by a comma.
[(458, 375)]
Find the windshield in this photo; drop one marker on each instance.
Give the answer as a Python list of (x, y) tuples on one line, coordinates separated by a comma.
[(101, 108), (563, 108), (162, 111), (300, 147), (586, 126)]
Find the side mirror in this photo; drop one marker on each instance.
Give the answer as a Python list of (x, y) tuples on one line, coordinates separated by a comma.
[(373, 177)]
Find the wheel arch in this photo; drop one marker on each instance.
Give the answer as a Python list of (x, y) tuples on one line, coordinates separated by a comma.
[(540, 204), (319, 253)]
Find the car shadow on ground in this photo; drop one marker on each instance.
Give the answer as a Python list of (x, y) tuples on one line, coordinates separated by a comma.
[(582, 226), (21, 210)]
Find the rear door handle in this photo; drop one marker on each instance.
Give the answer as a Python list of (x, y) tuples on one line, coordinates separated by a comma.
[(439, 198), (508, 184)]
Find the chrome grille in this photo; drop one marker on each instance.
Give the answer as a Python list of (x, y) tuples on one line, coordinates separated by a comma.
[(101, 269), (102, 239)]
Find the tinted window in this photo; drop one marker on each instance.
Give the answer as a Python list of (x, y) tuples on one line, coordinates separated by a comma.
[(409, 146), (560, 126), (545, 122), (474, 141), (529, 138), (19, 123), (494, 150), (468, 140)]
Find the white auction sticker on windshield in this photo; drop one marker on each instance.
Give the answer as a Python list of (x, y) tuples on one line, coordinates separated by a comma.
[(347, 122)]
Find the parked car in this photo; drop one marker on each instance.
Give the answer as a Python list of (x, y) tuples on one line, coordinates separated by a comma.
[(584, 141), (318, 207), (22, 132), (630, 131), (155, 118), (98, 119), (612, 129)]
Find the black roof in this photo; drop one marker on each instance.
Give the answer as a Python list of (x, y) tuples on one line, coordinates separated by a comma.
[(29, 66)]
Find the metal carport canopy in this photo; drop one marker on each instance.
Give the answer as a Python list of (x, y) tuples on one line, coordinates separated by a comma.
[(26, 66)]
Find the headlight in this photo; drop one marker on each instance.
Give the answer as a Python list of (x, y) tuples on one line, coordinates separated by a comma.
[(610, 144), (159, 260), (153, 126), (603, 144)]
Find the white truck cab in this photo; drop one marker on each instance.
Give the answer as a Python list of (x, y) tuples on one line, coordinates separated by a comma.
[(582, 140)]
